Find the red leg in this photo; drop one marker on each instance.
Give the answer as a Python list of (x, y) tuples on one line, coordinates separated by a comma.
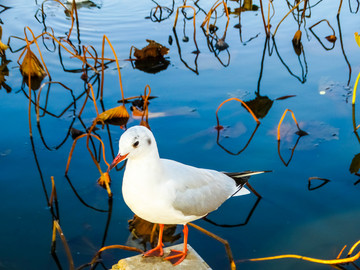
[(158, 250), (177, 256)]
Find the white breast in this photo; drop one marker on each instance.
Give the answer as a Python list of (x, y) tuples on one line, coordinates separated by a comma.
[(150, 197)]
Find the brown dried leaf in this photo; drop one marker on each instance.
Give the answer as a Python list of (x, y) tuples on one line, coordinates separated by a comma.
[(152, 50), (31, 66), (76, 133), (115, 116), (3, 47), (104, 180), (331, 38), (143, 230), (297, 42), (355, 164), (136, 112), (4, 71), (248, 5), (357, 38), (297, 37), (260, 105), (285, 97)]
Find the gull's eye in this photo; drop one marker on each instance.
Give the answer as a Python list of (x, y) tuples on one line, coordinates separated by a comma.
[(135, 144)]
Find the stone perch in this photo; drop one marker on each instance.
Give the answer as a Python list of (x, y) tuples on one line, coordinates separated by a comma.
[(191, 262)]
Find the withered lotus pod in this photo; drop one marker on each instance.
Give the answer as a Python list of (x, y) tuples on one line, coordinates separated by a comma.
[(297, 42)]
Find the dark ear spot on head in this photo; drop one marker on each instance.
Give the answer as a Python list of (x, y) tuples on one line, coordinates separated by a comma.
[(149, 141)]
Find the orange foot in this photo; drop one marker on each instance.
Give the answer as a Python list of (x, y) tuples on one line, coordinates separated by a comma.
[(155, 252), (176, 256)]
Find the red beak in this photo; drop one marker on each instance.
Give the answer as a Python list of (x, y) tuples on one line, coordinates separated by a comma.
[(116, 161)]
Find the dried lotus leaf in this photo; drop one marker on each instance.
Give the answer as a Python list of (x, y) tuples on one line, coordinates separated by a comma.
[(260, 105), (297, 42), (331, 38), (3, 46), (355, 164), (4, 71), (31, 66), (152, 50), (357, 38), (136, 112), (75, 133), (116, 116), (104, 180), (145, 230)]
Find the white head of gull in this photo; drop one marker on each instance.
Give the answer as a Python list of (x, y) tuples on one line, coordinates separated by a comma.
[(164, 191)]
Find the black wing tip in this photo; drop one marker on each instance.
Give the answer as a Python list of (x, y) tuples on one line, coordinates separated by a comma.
[(241, 178), (245, 173)]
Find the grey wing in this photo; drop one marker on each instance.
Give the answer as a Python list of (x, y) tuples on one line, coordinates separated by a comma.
[(199, 191)]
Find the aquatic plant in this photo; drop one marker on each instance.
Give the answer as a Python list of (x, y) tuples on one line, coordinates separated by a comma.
[(357, 38), (338, 261), (300, 133), (331, 38), (218, 126), (194, 23), (3, 47), (213, 10), (57, 228)]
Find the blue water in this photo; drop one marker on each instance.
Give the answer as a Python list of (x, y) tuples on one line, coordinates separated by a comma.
[(289, 218)]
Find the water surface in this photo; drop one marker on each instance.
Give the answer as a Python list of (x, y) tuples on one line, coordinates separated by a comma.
[(289, 218)]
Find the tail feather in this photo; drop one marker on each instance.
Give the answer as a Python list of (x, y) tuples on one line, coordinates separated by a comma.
[(241, 178)]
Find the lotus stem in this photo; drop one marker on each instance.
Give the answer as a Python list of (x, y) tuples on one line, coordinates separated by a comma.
[(243, 103), (37, 101), (225, 242), (53, 196), (117, 66), (263, 18), (37, 45), (146, 107), (341, 251), (291, 10), (320, 261), (281, 120), (338, 13), (355, 88), (176, 18), (208, 16), (66, 246), (113, 247), (73, 147)]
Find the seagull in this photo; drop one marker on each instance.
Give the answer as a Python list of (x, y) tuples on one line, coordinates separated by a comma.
[(164, 191)]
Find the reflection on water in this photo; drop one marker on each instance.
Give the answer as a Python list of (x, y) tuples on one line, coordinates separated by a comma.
[(151, 58), (67, 67), (144, 232)]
